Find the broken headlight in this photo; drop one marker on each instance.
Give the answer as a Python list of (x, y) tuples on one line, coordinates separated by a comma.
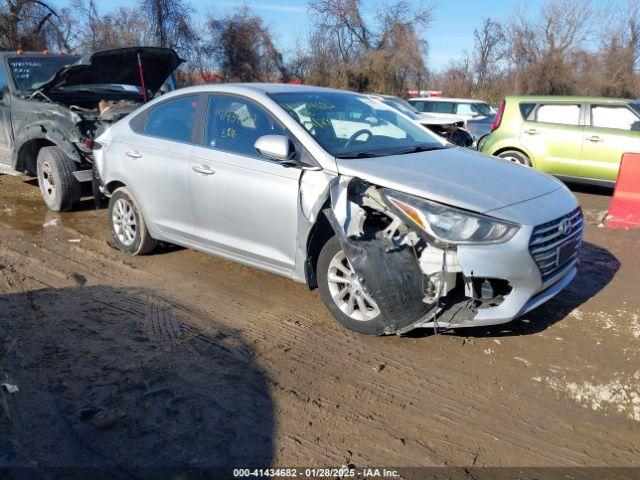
[(447, 224)]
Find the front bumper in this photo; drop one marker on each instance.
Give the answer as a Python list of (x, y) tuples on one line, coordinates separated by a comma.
[(513, 261)]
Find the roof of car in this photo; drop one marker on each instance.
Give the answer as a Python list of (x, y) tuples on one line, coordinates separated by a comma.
[(259, 88), (444, 99), (565, 98)]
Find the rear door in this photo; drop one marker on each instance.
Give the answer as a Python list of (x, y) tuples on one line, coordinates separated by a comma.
[(158, 161), (611, 131), (553, 133), (243, 203)]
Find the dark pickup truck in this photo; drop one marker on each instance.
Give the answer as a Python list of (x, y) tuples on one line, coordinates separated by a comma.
[(53, 106)]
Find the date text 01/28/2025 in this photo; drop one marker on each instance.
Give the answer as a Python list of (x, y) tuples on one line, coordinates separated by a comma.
[(343, 472)]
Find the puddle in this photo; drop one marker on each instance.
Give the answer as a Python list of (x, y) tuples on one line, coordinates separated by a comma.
[(22, 209)]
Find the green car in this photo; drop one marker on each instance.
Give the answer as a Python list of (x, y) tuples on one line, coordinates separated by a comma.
[(574, 138)]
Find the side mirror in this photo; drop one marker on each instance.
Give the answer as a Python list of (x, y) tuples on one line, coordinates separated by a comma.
[(276, 147)]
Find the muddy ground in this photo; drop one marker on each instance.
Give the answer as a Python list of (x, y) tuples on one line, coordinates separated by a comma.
[(180, 358)]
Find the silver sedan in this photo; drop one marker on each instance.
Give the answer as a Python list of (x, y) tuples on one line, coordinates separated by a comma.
[(397, 228)]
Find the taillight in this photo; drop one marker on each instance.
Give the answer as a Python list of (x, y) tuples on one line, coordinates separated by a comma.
[(498, 119)]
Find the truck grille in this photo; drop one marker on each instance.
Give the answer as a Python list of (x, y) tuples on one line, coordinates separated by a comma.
[(555, 245)]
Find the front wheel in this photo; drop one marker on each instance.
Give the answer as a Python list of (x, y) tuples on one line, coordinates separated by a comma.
[(344, 295), (127, 224), (60, 189), (516, 157)]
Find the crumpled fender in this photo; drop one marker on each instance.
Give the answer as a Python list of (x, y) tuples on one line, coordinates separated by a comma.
[(391, 274), (41, 131)]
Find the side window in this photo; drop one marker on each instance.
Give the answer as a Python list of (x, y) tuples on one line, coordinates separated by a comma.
[(609, 116), (234, 125), (466, 109), (561, 114), (526, 109), (420, 106), (441, 107), (173, 119)]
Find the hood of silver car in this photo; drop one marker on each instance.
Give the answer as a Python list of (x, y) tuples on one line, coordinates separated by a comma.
[(454, 176)]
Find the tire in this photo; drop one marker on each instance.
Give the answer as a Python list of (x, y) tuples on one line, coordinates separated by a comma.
[(369, 325), (516, 157), (127, 224), (60, 189)]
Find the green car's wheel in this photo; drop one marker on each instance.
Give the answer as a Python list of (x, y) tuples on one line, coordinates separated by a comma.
[(515, 156)]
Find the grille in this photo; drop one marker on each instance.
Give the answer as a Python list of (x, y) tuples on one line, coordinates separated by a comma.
[(555, 245)]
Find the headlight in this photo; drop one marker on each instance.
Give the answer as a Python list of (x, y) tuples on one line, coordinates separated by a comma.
[(450, 225)]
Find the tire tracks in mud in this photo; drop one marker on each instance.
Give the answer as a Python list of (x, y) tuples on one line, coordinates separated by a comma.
[(437, 401)]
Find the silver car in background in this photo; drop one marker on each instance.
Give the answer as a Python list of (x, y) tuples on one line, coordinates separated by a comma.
[(396, 228)]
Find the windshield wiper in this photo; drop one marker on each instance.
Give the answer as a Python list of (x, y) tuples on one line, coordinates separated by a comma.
[(359, 155), (419, 148)]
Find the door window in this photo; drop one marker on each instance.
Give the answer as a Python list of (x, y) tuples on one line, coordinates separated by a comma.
[(617, 117), (439, 107), (173, 119), (466, 109), (234, 125), (561, 114)]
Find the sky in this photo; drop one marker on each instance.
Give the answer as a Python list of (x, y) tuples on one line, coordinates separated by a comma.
[(450, 33)]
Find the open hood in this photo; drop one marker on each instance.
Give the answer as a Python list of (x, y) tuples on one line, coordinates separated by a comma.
[(119, 66)]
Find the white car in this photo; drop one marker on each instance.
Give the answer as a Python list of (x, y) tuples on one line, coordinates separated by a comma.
[(456, 109), (396, 227)]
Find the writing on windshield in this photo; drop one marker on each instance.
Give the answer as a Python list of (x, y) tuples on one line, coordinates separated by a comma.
[(30, 73)]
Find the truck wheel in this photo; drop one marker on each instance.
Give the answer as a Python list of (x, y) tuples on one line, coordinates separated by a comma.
[(515, 156), (127, 224), (342, 293), (60, 189)]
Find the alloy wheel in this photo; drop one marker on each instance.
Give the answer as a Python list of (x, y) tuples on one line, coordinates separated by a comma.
[(124, 222), (347, 291)]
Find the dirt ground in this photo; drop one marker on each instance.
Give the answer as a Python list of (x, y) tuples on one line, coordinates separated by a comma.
[(180, 358)]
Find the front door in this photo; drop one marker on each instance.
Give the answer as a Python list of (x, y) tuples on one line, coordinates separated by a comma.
[(552, 133), (244, 204), (612, 131)]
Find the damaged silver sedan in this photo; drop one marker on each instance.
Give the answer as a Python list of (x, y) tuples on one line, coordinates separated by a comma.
[(397, 228)]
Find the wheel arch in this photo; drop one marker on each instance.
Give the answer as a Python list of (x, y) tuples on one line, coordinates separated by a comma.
[(32, 139), (319, 235), (515, 149)]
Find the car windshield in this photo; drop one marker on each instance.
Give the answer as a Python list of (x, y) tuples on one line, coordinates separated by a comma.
[(349, 125), (30, 73)]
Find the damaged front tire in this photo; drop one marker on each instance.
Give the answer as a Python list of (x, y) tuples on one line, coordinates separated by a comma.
[(343, 293)]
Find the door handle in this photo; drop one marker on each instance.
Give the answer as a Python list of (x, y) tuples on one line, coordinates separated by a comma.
[(531, 131), (595, 139), (133, 154), (203, 170)]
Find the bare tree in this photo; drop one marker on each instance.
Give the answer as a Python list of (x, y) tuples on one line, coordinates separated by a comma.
[(243, 47), (171, 23), (23, 24), (489, 50)]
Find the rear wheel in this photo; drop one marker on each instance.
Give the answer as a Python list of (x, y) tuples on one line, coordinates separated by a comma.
[(343, 294), (60, 189), (515, 156), (127, 224)]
